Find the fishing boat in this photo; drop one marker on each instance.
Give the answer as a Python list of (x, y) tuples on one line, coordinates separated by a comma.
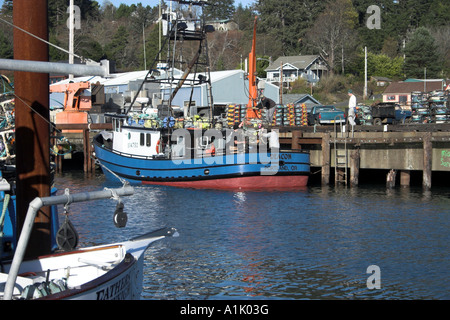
[(31, 268), (196, 152), (106, 272)]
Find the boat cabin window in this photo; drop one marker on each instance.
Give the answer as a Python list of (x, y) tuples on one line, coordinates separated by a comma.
[(145, 139), (116, 125), (205, 141)]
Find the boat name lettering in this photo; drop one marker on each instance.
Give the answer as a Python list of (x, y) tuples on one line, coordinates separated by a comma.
[(282, 156), (117, 291), (133, 145), (288, 167)]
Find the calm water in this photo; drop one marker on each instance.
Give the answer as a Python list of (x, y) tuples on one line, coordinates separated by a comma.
[(315, 243)]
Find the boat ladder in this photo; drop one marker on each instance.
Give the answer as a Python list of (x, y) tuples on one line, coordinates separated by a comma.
[(340, 154)]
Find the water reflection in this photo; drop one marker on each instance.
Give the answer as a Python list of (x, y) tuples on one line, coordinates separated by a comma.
[(306, 244)]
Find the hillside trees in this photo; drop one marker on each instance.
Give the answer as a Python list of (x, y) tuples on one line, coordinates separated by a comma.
[(332, 33), (420, 53), (219, 9), (335, 28), (286, 22)]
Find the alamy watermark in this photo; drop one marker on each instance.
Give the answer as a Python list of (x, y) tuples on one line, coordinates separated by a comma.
[(76, 17), (236, 147), (374, 20), (374, 280)]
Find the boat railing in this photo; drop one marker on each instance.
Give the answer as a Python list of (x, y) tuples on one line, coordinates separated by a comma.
[(39, 202)]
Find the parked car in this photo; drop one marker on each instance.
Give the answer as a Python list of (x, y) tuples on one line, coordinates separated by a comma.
[(325, 115)]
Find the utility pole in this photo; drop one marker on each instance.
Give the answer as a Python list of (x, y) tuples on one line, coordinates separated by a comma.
[(365, 73), (281, 83), (71, 35)]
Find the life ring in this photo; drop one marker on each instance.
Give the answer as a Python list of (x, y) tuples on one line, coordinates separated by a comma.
[(211, 151), (158, 145)]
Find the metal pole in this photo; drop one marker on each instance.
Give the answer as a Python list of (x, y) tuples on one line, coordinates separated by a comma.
[(32, 127), (71, 35), (34, 207), (53, 67), (365, 73)]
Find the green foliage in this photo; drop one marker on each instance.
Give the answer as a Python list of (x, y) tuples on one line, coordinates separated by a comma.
[(282, 29), (56, 54), (124, 11), (380, 65), (116, 49), (6, 48), (287, 21), (261, 65), (219, 9), (152, 48), (421, 53)]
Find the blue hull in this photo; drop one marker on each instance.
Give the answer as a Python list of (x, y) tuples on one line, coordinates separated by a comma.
[(10, 236), (219, 170)]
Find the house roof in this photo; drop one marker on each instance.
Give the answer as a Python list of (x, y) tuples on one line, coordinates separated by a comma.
[(381, 78), (408, 87), (299, 62), (299, 98)]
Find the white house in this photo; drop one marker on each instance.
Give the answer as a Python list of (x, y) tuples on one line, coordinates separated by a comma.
[(310, 67)]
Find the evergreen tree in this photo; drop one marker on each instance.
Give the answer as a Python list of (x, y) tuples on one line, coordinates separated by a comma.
[(116, 49), (421, 53), (219, 9), (243, 17), (7, 7), (287, 21), (152, 48), (124, 11), (6, 48)]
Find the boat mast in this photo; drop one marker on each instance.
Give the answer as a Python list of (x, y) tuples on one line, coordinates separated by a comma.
[(32, 127), (252, 88)]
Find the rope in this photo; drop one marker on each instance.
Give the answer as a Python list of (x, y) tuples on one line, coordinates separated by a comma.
[(45, 41), (96, 161)]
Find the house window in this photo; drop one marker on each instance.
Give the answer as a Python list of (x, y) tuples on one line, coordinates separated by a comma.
[(390, 98), (402, 99)]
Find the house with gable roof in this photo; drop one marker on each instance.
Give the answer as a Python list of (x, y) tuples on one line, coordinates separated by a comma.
[(400, 92), (309, 67)]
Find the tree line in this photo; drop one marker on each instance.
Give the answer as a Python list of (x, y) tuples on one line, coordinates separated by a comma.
[(407, 36)]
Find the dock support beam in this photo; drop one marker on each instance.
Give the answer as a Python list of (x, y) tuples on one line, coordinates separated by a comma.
[(354, 167), (390, 179), (295, 142), (427, 158), (325, 159), (405, 178)]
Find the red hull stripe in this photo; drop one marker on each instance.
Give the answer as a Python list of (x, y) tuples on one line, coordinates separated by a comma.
[(248, 183)]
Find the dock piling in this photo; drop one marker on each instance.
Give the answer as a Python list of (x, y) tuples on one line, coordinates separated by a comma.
[(427, 158), (325, 159)]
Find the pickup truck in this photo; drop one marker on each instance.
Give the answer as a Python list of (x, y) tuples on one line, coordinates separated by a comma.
[(389, 113), (325, 115)]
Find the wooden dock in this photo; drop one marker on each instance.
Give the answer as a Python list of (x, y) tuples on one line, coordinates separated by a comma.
[(83, 138), (395, 148), (342, 154)]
